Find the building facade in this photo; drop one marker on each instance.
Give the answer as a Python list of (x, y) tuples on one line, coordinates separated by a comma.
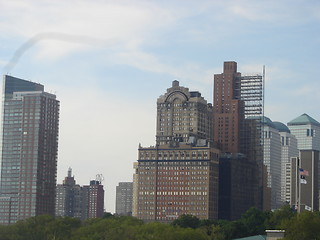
[(69, 198), (124, 195), (304, 184), (183, 116), (29, 147), (306, 130), (95, 196), (304, 189), (180, 174), (236, 173), (83, 202), (289, 149), (272, 161), (228, 108), (237, 114)]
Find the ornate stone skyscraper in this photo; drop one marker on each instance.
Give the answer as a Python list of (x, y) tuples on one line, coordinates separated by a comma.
[(29, 147), (180, 174)]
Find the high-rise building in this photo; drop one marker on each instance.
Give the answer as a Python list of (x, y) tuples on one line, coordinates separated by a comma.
[(272, 161), (289, 149), (228, 108), (93, 197), (304, 181), (183, 116), (304, 174), (237, 115), (124, 195), (180, 174), (29, 146), (306, 130), (279, 147), (236, 175), (69, 198)]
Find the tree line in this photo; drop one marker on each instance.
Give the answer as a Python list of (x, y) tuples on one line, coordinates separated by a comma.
[(303, 226)]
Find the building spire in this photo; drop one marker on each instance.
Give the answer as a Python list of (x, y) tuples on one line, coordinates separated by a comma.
[(69, 172)]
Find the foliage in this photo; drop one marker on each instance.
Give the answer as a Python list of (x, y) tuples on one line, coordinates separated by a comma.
[(39, 228), (302, 226), (187, 220), (278, 218), (254, 222)]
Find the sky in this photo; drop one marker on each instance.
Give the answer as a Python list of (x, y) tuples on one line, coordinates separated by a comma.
[(108, 61)]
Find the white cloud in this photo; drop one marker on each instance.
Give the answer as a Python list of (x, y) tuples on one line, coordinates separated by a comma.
[(150, 62), (306, 91), (125, 23), (274, 12)]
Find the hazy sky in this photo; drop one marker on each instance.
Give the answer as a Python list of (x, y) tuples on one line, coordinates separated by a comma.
[(109, 61)]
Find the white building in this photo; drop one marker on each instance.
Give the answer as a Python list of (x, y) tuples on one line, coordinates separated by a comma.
[(288, 150), (307, 131), (272, 160)]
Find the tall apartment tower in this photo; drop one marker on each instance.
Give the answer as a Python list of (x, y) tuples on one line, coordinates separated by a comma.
[(180, 174), (29, 146), (304, 174), (124, 195), (228, 108), (237, 127)]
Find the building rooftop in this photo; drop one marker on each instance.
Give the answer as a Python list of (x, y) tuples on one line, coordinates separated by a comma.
[(268, 122), (304, 119), (281, 127), (257, 237)]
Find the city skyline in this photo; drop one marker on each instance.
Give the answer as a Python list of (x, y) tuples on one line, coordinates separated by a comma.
[(114, 59)]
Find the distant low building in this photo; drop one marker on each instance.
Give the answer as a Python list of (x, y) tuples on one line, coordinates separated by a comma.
[(84, 202), (68, 197), (124, 195)]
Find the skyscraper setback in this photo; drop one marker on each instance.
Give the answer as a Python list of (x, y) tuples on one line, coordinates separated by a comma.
[(29, 147)]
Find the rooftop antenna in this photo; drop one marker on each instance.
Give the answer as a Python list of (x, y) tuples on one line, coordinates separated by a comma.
[(99, 178)]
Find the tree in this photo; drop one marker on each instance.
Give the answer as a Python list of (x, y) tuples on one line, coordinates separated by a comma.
[(187, 220), (279, 217), (160, 231), (112, 228), (214, 232), (233, 229), (254, 221), (303, 226)]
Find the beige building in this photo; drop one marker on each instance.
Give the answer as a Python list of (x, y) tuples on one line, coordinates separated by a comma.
[(180, 174)]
